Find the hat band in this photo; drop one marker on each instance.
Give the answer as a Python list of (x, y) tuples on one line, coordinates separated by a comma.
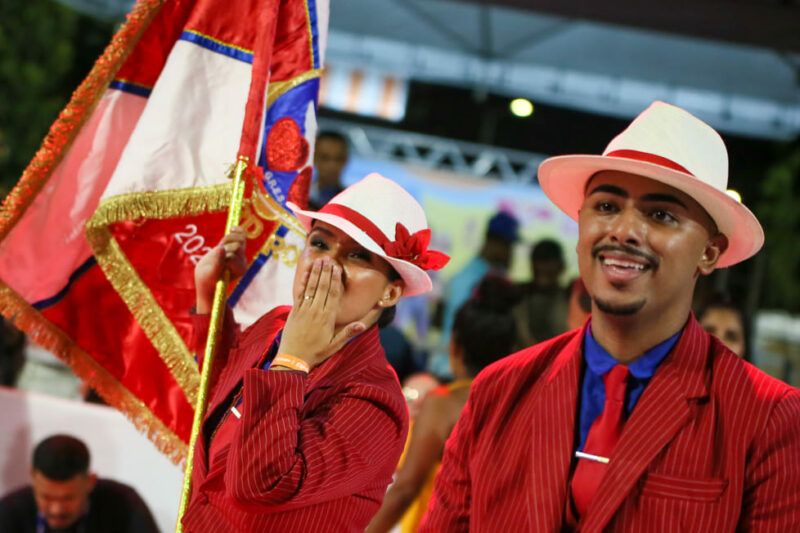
[(361, 222), (648, 158), (412, 248)]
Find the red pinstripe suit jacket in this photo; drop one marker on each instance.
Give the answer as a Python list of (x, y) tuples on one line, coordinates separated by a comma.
[(312, 453), (713, 445)]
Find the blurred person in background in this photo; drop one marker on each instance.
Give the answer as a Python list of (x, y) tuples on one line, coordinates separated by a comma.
[(542, 313), (580, 305), (415, 388), (483, 331), (726, 321), (330, 157), (12, 353), (65, 497), (502, 233)]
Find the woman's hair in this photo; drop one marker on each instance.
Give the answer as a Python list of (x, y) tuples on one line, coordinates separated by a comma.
[(484, 327), (387, 315)]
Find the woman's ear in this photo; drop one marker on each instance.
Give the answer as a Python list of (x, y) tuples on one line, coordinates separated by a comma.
[(392, 293)]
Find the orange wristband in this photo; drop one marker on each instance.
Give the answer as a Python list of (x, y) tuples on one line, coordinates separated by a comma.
[(290, 361)]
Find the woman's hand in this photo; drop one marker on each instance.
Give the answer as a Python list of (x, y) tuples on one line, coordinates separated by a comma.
[(228, 254), (310, 331)]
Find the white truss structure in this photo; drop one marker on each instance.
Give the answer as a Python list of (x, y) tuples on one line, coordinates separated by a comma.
[(471, 159)]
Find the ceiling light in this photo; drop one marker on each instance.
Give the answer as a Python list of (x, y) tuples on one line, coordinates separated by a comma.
[(521, 107)]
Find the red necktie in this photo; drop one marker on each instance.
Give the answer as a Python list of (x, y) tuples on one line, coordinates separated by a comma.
[(602, 438)]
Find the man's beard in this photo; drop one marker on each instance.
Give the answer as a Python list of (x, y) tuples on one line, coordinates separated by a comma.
[(621, 310)]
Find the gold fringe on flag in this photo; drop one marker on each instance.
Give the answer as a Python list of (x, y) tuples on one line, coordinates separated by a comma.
[(69, 122), (125, 280), (56, 341)]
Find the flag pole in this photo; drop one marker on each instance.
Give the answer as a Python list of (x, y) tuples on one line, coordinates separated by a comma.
[(215, 326), (255, 108)]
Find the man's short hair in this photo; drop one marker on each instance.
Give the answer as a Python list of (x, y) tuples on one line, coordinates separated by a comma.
[(332, 136), (547, 250), (61, 457)]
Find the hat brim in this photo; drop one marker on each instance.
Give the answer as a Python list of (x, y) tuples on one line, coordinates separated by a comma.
[(563, 179), (416, 280)]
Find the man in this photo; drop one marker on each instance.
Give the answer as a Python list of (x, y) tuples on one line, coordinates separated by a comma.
[(640, 421), (64, 497), (330, 157), (542, 312), (502, 233)]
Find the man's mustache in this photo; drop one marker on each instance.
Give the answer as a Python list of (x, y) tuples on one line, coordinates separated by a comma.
[(597, 250)]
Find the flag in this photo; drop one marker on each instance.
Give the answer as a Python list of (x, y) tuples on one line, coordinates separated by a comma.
[(99, 239)]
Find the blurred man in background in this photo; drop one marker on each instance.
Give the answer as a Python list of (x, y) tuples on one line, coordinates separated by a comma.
[(542, 313), (502, 233), (330, 157), (65, 497)]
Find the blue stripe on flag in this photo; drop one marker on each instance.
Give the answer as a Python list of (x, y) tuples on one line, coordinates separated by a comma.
[(47, 302), (128, 87), (293, 104), (219, 47), (311, 6), (254, 268)]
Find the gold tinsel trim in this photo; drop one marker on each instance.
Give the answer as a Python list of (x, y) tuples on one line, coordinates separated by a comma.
[(126, 281), (159, 204), (83, 102), (277, 88), (44, 333), (151, 318)]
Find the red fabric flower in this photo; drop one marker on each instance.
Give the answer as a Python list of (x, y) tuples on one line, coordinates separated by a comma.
[(414, 249)]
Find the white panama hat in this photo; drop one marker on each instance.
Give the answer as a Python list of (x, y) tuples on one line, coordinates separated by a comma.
[(667, 144), (382, 217)]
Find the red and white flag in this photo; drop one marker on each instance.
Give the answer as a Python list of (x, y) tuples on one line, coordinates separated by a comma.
[(99, 239)]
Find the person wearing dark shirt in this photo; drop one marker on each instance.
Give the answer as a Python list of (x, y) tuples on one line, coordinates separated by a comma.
[(330, 157), (64, 497)]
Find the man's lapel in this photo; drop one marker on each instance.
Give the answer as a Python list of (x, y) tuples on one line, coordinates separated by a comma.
[(661, 412), (553, 437)]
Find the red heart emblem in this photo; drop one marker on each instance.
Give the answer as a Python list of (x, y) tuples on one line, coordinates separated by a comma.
[(298, 192), (287, 149)]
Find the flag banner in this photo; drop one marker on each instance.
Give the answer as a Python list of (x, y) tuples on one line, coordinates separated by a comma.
[(131, 186)]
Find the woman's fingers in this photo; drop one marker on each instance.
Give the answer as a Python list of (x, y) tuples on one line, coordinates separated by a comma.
[(347, 333), (335, 290), (313, 282), (321, 295)]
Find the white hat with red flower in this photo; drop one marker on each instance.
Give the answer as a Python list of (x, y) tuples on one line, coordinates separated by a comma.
[(382, 217)]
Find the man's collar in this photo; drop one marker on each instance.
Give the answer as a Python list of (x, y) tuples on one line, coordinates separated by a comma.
[(600, 361)]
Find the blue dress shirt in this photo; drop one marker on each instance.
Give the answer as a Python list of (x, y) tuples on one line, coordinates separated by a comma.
[(598, 362)]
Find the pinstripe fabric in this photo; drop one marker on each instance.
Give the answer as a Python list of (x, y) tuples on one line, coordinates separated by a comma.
[(712, 445), (312, 453)]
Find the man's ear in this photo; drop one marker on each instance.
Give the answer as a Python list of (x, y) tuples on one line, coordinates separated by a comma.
[(715, 247), (92, 480), (392, 293)]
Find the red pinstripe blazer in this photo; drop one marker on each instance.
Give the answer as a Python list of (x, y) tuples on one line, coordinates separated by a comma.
[(713, 444), (311, 453)]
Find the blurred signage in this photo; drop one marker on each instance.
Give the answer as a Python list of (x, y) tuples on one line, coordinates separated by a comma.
[(363, 92)]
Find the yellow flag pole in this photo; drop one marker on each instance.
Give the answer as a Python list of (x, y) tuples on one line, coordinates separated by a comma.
[(217, 315)]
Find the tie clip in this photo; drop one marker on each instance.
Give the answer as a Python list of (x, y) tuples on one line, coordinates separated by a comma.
[(582, 455), (237, 414)]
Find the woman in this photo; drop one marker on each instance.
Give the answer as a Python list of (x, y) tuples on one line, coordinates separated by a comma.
[(484, 330), (721, 317), (306, 420)]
